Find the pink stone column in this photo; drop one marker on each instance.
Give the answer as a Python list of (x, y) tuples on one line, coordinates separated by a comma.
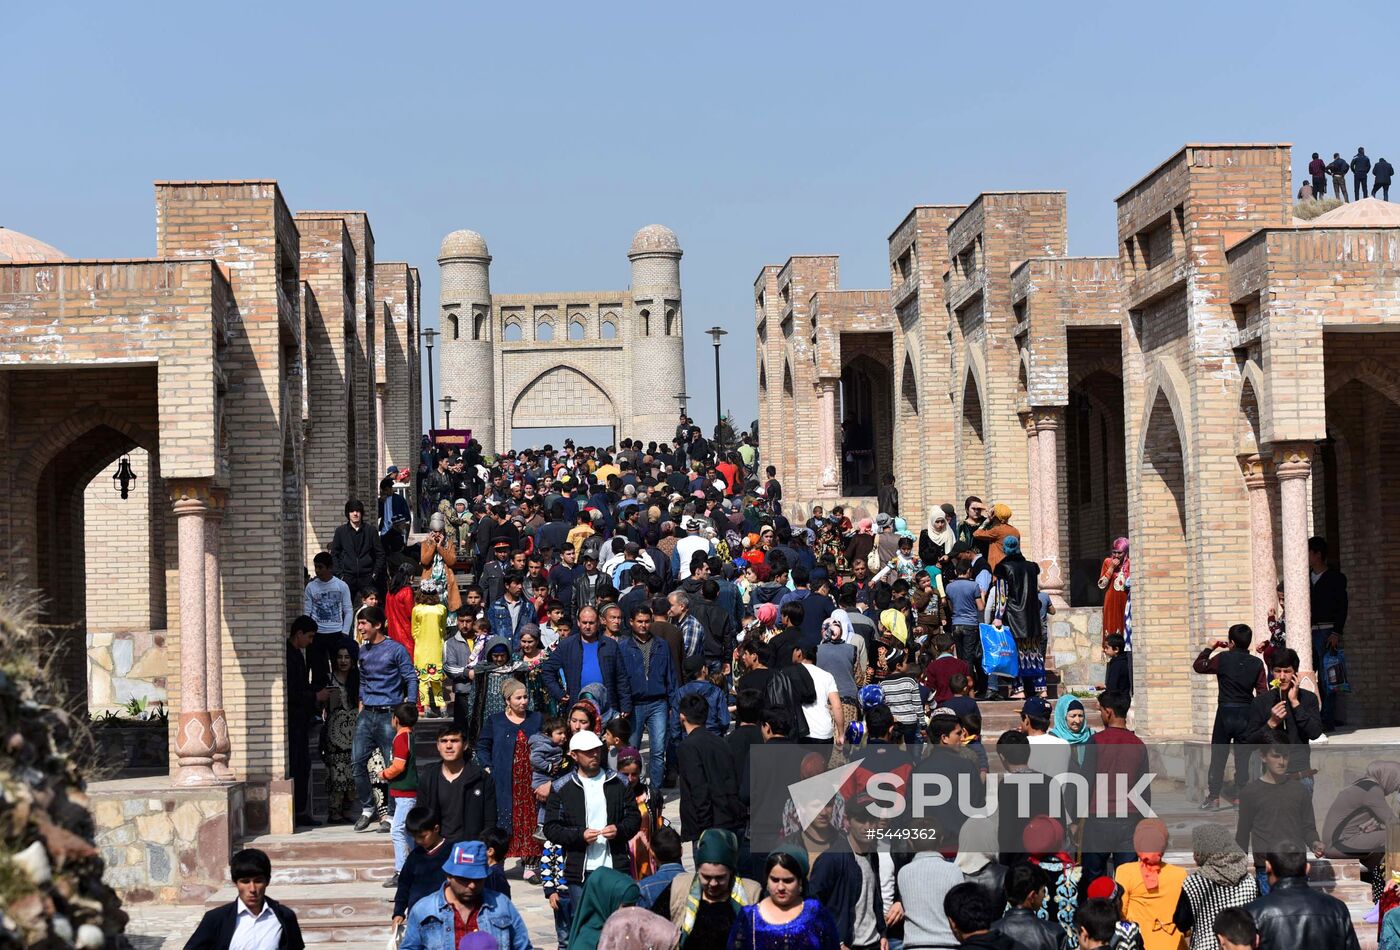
[(1052, 579), (1263, 575), (213, 635), (1293, 461), (194, 735), (827, 414), (1033, 546)]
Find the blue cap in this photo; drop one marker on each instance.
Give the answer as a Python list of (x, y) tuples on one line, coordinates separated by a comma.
[(1011, 544), (467, 859)]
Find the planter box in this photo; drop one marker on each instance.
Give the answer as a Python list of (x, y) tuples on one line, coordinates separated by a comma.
[(128, 748)]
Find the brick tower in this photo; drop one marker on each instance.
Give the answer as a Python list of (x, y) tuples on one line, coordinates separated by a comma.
[(468, 358), (658, 350)]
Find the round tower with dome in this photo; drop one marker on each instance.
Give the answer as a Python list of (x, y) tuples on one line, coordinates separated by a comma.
[(658, 351), (468, 357)]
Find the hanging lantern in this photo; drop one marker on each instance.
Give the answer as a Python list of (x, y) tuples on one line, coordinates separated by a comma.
[(123, 478)]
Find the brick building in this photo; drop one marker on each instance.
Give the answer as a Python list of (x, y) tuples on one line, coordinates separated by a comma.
[(239, 373), (1218, 391), (520, 361)]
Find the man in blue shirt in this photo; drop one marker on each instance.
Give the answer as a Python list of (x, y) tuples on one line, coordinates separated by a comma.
[(387, 678), (587, 659), (652, 677), (967, 599)]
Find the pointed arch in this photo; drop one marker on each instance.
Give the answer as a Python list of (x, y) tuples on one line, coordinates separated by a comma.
[(787, 378), (762, 378), (1168, 382), (1379, 376), (563, 395), (909, 384)]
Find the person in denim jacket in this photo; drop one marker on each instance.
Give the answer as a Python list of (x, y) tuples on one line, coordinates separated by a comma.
[(432, 923)]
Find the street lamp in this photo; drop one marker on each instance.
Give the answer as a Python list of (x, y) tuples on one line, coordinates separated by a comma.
[(715, 333), (123, 478), (447, 402), (681, 398), (429, 335)]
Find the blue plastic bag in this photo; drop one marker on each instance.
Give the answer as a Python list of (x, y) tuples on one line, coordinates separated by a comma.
[(999, 655), (1334, 672)]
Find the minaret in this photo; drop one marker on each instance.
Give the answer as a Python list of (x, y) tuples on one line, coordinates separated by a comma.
[(655, 331), (468, 362)]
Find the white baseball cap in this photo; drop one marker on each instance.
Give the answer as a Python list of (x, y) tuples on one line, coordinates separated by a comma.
[(585, 740)]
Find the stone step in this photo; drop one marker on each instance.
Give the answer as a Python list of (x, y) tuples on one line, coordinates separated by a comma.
[(328, 904)]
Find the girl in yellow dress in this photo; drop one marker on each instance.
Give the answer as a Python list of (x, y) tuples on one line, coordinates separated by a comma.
[(429, 632)]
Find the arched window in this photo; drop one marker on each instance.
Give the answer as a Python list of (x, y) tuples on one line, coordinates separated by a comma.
[(452, 324), (479, 326), (646, 322), (609, 330), (670, 322), (576, 328), (513, 333), (544, 332)]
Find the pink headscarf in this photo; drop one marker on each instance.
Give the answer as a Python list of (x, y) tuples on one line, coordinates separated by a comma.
[(866, 526), (767, 614), (1120, 546)]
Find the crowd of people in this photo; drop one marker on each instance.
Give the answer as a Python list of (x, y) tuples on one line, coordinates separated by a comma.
[(1320, 172), (597, 632)]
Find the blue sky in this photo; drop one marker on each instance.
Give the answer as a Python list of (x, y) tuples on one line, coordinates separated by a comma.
[(754, 130)]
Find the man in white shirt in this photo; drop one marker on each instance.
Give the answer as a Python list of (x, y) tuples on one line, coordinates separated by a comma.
[(1049, 754), (826, 722), (254, 921)]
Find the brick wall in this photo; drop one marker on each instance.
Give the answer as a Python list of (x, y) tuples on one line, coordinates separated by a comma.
[(129, 593), (397, 288)]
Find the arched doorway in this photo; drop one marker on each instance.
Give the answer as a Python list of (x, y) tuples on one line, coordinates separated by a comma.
[(866, 412), (1096, 485), (909, 460), (972, 457), (563, 397), (1160, 609)]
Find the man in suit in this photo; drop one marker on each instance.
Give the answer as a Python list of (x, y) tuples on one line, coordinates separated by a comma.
[(586, 659), (255, 921), (305, 689), (709, 786)]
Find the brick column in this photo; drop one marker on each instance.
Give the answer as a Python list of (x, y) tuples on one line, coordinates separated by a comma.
[(214, 633), (1293, 461), (383, 448), (1263, 576), (1052, 579), (194, 736), (826, 409), (1034, 539)]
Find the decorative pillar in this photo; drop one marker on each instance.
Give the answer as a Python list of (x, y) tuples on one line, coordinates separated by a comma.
[(1293, 463), (1052, 579), (194, 736), (826, 408), (1263, 576), (213, 634), (1034, 546)]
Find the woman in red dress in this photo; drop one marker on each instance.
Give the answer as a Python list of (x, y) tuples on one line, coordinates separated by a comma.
[(1113, 581)]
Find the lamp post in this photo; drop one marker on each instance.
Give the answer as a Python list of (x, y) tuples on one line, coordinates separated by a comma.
[(123, 478), (447, 402), (715, 334), (429, 335), (681, 397)]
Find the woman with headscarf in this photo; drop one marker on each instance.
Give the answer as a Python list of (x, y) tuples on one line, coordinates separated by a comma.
[(937, 540), (1152, 888), (704, 904), (842, 654), (1043, 839), (1355, 826), (604, 893), (1072, 725), (1114, 579), (503, 749), (994, 533), (1224, 877), (786, 919), (861, 543), (1018, 597), (632, 928)]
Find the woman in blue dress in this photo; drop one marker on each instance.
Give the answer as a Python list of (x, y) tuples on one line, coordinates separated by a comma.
[(503, 748), (784, 920)]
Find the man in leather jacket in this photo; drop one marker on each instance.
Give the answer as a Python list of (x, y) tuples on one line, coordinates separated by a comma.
[(1292, 914)]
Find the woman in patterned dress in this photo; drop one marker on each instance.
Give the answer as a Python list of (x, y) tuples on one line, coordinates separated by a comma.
[(339, 734), (531, 670)]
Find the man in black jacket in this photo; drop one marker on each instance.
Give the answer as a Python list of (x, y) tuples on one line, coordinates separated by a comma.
[(305, 689), (1360, 168), (255, 919), (709, 787), (1337, 168), (1328, 602), (718, 623), (457, 790), (1285, 713), (591, 815), (1239, 678), (356, 551), (1292, 914), (1383, 173)]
